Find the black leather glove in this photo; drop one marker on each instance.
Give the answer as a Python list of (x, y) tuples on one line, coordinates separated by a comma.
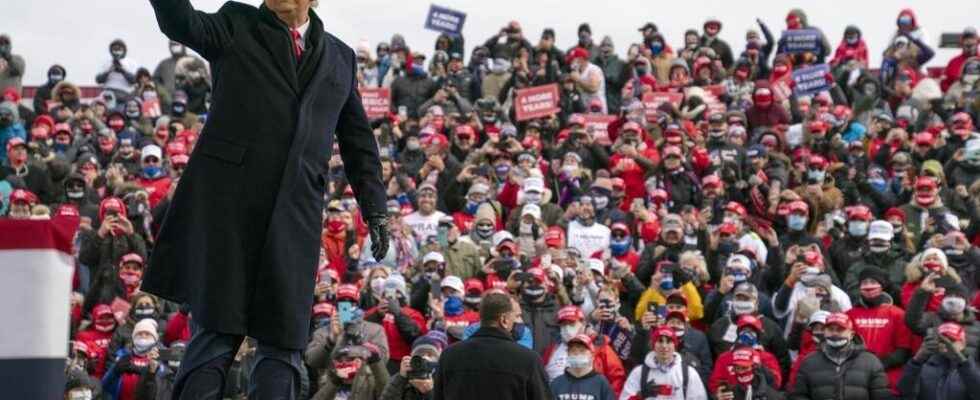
[(929, 347), (949, 349), (379, 236)]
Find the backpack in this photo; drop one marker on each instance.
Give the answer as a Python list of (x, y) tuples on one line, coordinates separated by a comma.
[(686, 364)]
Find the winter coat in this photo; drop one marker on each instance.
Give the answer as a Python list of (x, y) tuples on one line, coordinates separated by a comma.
[(694, 345), (400, 330), (915, 217), (542, 319), (724, 365), (318, 352), (368, 384), (695, 310), (673, 378), (411, 91), (491, 366), (723, 333), (939, 378), (884, 332), (243, 258), (858, 376), (462, 259), (891, 261), (398, 388), (592, 386)]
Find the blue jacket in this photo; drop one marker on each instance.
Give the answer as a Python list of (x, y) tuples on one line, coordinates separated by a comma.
[(592, 386), (939, 379), (10, 132)]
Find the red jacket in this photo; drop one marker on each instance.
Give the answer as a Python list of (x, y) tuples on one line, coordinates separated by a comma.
[(953, 70), (157, 189), (604, 362), (398, 346), (723, 369), (847, 52), (98, 342), (178, 329), (884, 331), (633, 175)]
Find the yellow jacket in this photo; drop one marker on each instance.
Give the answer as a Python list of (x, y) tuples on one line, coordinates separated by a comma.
[(695, 310)]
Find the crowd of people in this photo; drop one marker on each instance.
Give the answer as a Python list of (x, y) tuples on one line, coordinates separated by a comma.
[(745, 242)]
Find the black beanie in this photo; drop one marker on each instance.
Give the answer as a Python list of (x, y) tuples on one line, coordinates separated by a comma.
[(873, 273), (584, 27)]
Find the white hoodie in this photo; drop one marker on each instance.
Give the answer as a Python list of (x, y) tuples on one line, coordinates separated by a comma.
[(673, 377)]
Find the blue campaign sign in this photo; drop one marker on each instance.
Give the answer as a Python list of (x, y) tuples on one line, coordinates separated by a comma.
[(811, 80), (800, 40), (445, 20)]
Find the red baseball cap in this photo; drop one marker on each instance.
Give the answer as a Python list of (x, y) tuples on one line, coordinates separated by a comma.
[(839, 319), (618, 183), (555, 237), (860, 212), (180, 159), (673, 151), (924, 139), (437, 139), (728, 228), (817, 161), (952, 331), (131, 257), (799, 206), (176, 147), (750, 321), (619, 226), (473, 286), (538, 274), (736, 208), (23, 196), (570, 314), (576, 119), (347, 291), (584, 340), (14, 142), (743, 357), (575, 53), (895, 212), (663, 330), (61, 127), (465, 131), (631, 126), (673, 136), (711, 180), (325, 309)]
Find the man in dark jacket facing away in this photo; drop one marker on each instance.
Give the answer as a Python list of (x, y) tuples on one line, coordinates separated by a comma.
[(940, 369), (489, 365), (842, 369), (283, 89)]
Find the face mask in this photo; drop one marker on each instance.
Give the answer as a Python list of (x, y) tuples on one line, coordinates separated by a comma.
[(502, 170), (377, 285), (412, 145), (177, 50), (667, 283), (932, 266), (453, 306), (852, 40), (871, 292), (534, 292), (835, 342), (748, 338), (178, 108), (143, 345), (905, 20), (879, 248), (569, 331), (346, 370), (471, 207), (532, 198), (742, 307), (740, 278), (569, 169), (925, 199), (80, 395), (132, 113), (118, 54), (55, 78), (484, 232), (144, 312), (601, 202), (953, 305), (620, 247), (857, 228), (152, 171), (174, 364), (107, 326), (641, 70), (744, 377), (816, 175), (656, 48), (336, 226), (796, 222), (579, 361)]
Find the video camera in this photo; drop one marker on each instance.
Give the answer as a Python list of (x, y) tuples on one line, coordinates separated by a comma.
[(420, 368)]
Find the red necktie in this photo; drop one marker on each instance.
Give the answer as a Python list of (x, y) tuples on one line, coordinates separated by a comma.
[(297, 43)]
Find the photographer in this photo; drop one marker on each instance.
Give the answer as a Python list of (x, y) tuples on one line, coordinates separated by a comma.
[(345, 329), (114, 237), (449, 98), (356, 373), (402, 324), (414, 378)]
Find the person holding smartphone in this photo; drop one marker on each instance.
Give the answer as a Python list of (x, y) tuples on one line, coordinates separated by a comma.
[(345, 328)]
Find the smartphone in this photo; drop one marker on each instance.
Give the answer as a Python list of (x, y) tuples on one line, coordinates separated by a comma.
[(346, 310), (662, 311), (441, 235), (402, 112)]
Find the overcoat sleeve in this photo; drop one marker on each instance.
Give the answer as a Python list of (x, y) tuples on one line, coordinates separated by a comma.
[(359, 150), (207, 34)]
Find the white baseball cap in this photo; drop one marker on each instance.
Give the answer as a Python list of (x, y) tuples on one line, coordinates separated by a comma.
[(151, 150), (881, 230), (453, 282), (531, 209), (433, 256)]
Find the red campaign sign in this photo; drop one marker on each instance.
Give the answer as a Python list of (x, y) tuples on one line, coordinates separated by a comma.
[(151, 108), (653, 100), (781, 89), (376, 101), (536, 102), (598, 126)]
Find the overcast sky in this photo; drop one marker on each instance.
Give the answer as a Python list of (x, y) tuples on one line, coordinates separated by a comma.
[(77, 33)]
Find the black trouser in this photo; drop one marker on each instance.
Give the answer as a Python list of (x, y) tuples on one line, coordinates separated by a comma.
[(209, 356)]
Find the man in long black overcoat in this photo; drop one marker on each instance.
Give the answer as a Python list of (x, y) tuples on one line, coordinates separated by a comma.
[(240, 242)]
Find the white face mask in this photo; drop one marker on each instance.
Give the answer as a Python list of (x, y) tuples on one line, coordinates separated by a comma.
[(742, 307), (142, 345), (579, 361), (80, 394), (378, 285), (953, 305), (569, 331), (532, 198)]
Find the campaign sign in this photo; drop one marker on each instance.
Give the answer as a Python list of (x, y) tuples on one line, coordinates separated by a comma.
[(536, 102), (598, 126), (376, 101), (800, 40), (811, 80), (653, 100), (445, 20)]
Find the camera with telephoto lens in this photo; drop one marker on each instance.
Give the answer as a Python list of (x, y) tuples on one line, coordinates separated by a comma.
[(353, 333), (420, 368)]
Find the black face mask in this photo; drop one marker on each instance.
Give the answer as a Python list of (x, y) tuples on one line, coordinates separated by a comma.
[(533, 292)]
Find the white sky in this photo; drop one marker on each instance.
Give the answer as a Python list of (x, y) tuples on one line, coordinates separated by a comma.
[(77, 33)]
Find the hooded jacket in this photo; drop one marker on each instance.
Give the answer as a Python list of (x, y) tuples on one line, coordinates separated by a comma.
[(368, 384), (940, 378), (589, 386), (884, 332), (846, 51), (859, 376), (605, 362)]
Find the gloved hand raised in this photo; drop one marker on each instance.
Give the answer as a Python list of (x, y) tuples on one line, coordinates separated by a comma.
[(379, 236)]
